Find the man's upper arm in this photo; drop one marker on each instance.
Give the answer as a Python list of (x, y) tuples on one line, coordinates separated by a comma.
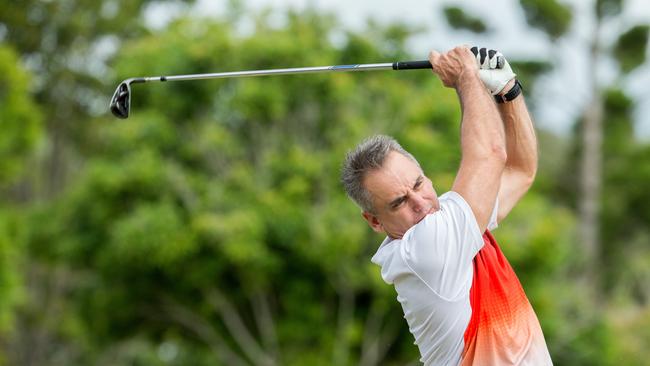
[(514, 184), (478, 182), (441, 247)]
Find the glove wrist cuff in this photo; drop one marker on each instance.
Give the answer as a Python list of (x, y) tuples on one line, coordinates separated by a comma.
[(511, 94)]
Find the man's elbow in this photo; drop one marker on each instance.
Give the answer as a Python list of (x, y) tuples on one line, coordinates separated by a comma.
[(530, 175), (526, 179), (494, 156), (529, 179), (498, 154)]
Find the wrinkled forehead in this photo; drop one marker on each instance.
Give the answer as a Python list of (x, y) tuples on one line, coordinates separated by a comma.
[(392, 179)]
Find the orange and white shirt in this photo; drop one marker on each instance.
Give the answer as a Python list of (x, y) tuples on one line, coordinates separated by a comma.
[(462, 301)]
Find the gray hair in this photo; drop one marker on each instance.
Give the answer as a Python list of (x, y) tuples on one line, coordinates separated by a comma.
[(369, 155)]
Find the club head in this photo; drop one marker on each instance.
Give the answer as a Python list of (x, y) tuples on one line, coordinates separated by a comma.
[(121, 101)]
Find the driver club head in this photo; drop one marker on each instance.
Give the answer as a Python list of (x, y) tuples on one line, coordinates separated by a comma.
[(121, 101)]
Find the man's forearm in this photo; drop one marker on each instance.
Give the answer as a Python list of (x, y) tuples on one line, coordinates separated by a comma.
[(521, 142), (482, 131)]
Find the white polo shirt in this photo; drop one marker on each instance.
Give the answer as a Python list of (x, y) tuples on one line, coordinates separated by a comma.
[(431, 268)]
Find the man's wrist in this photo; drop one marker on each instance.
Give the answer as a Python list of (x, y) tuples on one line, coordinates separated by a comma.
[(467, 78), (511, 92), (506, 88)]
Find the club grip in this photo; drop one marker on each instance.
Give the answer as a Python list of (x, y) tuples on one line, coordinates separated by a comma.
[(410, 65)]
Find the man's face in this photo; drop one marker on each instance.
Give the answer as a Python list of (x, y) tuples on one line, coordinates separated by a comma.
[(402, 196)]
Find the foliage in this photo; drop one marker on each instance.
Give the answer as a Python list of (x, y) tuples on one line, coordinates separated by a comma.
[(10, 281), (20, 121), (66, 44), (459, 19), (551, 16), (630, 49), (252, 205), (210, 227), (612, 168)]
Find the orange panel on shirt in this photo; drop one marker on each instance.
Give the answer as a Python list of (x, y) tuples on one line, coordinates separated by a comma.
[(503, 329)]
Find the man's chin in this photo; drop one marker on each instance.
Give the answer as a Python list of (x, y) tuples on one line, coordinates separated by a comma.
[(395, 235)]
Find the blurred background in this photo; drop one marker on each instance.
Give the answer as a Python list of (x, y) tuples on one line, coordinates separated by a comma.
[(210, 227)]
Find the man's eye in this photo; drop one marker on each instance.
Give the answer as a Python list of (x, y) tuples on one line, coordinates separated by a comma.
[(397, 204)]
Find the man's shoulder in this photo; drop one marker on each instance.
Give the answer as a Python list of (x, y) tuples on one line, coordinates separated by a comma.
[(452, 196), (386, 249)]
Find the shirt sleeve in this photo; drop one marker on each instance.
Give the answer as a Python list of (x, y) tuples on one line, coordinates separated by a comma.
[(493, 224), (441, 247)]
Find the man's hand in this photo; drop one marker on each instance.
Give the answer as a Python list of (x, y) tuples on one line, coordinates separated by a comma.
[(495, 79), (452, 65)]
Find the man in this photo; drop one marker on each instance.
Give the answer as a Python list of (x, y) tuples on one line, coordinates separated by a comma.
[(461, 299)]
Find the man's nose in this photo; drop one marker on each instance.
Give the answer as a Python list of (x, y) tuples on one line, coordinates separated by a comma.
[(418, 203)]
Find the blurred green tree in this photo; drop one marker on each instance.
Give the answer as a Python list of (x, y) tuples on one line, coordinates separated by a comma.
[(628, 51), (20, 123), (67, 44), (213, 218), (210, 227), (603, 151)]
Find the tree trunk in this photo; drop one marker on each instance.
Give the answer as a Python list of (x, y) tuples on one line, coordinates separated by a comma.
[(591, 169)]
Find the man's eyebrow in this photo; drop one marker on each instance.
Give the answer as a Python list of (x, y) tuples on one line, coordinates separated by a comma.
[(399, 199), (396, 201), (418, 181)]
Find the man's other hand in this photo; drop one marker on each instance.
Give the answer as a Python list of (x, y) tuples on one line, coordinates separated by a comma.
[(494, 78)]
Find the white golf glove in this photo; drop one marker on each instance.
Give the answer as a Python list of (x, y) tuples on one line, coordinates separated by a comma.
[(494, 78)]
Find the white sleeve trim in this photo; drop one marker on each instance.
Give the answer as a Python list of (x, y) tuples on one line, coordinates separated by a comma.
[(493, 224)]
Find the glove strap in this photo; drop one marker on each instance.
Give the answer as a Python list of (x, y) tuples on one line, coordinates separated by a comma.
[(510, 95)]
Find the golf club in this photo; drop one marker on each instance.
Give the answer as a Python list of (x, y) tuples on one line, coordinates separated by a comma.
[(121, 101)]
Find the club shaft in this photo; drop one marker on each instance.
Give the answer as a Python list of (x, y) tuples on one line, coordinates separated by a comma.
[(289, 71)]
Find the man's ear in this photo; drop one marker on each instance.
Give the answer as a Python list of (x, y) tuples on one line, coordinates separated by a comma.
[(373, 221)]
